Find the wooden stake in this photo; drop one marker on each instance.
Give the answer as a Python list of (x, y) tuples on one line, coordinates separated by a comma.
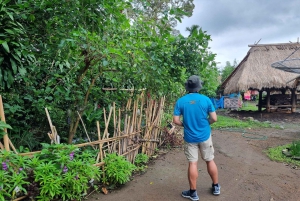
[(100, 147), (50, 124), (85, 129), (2, 118), (1, 146), (12, 146), (119, 130)]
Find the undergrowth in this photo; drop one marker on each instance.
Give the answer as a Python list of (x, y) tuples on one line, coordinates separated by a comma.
[(275, 154), (229, 122)]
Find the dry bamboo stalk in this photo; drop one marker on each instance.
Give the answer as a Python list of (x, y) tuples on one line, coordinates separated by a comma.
[(119, 130), (115, 124), (137, 147), (141, 113), (104, 113), (134, 116), (12, 146), (99, 138), (100, 147), (154, 117), (20, 198), (156, 122), (128, 104), (1, 146), (2, 118), (148, 125), (50, 124), (99, 164), (114, 110), (87, 143), (125, 141), (107, 122), (85, 129), (124, 131)]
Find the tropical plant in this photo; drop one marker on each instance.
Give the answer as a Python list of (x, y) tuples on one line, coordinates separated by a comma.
[(117, 170)]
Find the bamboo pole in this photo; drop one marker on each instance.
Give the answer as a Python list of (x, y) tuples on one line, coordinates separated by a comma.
[(100, 147), (85, 129), (1, 146), (12, 146), (88, 143), (2, 118), (50, 124), (21, 198), (115, 124), (119, 130), (124, 131)]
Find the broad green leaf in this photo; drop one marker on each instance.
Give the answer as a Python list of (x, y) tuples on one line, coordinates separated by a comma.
[(22, 71), (5, 46), (14, 66), (105, 63)]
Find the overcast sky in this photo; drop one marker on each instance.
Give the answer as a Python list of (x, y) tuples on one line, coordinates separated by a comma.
[(235, 24)]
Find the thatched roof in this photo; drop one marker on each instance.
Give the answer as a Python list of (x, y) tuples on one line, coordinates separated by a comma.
[(255, 71)]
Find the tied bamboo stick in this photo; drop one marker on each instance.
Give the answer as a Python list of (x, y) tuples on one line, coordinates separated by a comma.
[(119, 131), (50, 124), (2, 118), (1, 146), (85, 129), (100, 147)]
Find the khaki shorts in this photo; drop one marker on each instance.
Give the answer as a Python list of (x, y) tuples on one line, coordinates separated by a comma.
[(206, 148)]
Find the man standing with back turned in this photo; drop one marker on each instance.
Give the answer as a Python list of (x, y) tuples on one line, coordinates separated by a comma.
[(198, 113)]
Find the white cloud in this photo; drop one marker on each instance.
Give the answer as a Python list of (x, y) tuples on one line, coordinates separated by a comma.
[(234, 24)]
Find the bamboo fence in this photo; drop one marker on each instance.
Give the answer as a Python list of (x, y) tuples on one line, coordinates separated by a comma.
[(128, 131)]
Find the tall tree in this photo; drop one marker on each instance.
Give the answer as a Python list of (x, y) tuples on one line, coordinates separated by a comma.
[(227, 70)]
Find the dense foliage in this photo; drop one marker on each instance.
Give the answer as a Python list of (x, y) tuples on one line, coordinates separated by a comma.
[(58, 171), (62, 54)]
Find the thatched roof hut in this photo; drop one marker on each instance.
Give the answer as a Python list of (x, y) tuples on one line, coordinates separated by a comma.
[(255, 71)]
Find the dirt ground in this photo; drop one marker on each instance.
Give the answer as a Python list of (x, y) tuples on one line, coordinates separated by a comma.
[(245, 172)]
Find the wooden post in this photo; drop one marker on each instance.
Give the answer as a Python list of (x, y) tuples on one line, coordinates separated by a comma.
[(293, 100), (5, 137), (260, 101), (268, 101)]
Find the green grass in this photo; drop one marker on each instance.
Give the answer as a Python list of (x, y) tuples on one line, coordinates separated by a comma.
[(249, 106), (275, 154), (229, 122)]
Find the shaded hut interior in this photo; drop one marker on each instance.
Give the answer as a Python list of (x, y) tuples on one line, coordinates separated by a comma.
[(278, 89)]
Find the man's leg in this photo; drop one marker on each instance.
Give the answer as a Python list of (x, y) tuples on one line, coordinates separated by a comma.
[(192, 175), (212, 171)]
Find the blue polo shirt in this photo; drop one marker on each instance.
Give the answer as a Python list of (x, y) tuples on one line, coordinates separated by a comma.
[(195, 108)]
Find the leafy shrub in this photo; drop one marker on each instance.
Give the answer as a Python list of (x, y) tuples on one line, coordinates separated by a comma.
[(57, 172), (117, 169), (295, 148), (140, 161), (12, 175)]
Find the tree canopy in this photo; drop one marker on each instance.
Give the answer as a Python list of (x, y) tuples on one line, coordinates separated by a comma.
[(62, 54)]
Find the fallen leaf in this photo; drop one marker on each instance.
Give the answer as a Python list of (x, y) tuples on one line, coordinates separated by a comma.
[(104, 190)]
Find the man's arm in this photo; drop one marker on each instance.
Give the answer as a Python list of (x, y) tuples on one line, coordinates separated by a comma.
[(176, 120), (212, 117)]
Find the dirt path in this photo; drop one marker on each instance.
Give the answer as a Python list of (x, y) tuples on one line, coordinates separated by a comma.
[(245, 172)]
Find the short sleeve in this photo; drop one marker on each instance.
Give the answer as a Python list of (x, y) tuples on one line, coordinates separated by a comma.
[(211, 107), (177, 111)]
